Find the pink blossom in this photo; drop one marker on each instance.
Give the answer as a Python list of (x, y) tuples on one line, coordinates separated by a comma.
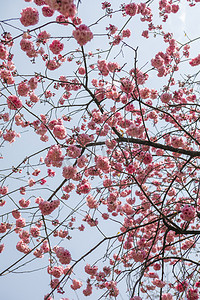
[(195, 61), (66, 8), (1, 248), (24, 203), (159, 283), (88, 290), (166, 97), (14, 102), (20, 222), (47, 11), (54, 157), (131, 9), (145, 34), (126, 33), (103, 67), (192, 294), (56, 47), (76, 284), (43, 37), (126, 85), (81, 71), (56, 271), (59, 131), (103, 163), (52, 64), (84, 187), (69, 172), (35, 232), (63, 255), (26, 45), (188, 213), (3, 52), (147, 159), (23, 89), (47, 207), (73, 151), (16, 214), (29, 16), (10, 136), (82, 34), (3, 227), (91, 270), (22, 247)]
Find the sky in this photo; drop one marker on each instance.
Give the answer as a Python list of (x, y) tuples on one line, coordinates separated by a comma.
[(35, 284)]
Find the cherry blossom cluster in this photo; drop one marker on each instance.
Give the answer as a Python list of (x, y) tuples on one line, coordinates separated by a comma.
[(54, 157), (63, 255), (65, 7), (47, 207), (82, 34), (29, 16)]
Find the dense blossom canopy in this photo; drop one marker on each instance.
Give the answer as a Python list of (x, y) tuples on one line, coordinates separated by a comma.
[(100, 149)]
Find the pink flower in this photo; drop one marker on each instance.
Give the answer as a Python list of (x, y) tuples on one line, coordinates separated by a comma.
[(81, 71), (16, 214), (35, 232), (91, 270), (188, 213), (47, 11), (84, 187), (166, 97), (54, 157), (47, 207), (182, 286), (10, 136), (195, 61), (33, 83), (69, 172), (103, 68), (29, 16), (24, 203), (52, 64), (159, 283), (82, 34), (147, 159), (23, 89), (3, 52), (63, 255), (56, 47), (192, 294), (76, 284), (14, 102), (145, 34), (56, 271), (103, 163), (126, 33), (131, 9), (73, 151), (127, 86), (1, 248), (66, 7), (59, 131), (20, 222), (26, 45), (3, 227), (22, 247)]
